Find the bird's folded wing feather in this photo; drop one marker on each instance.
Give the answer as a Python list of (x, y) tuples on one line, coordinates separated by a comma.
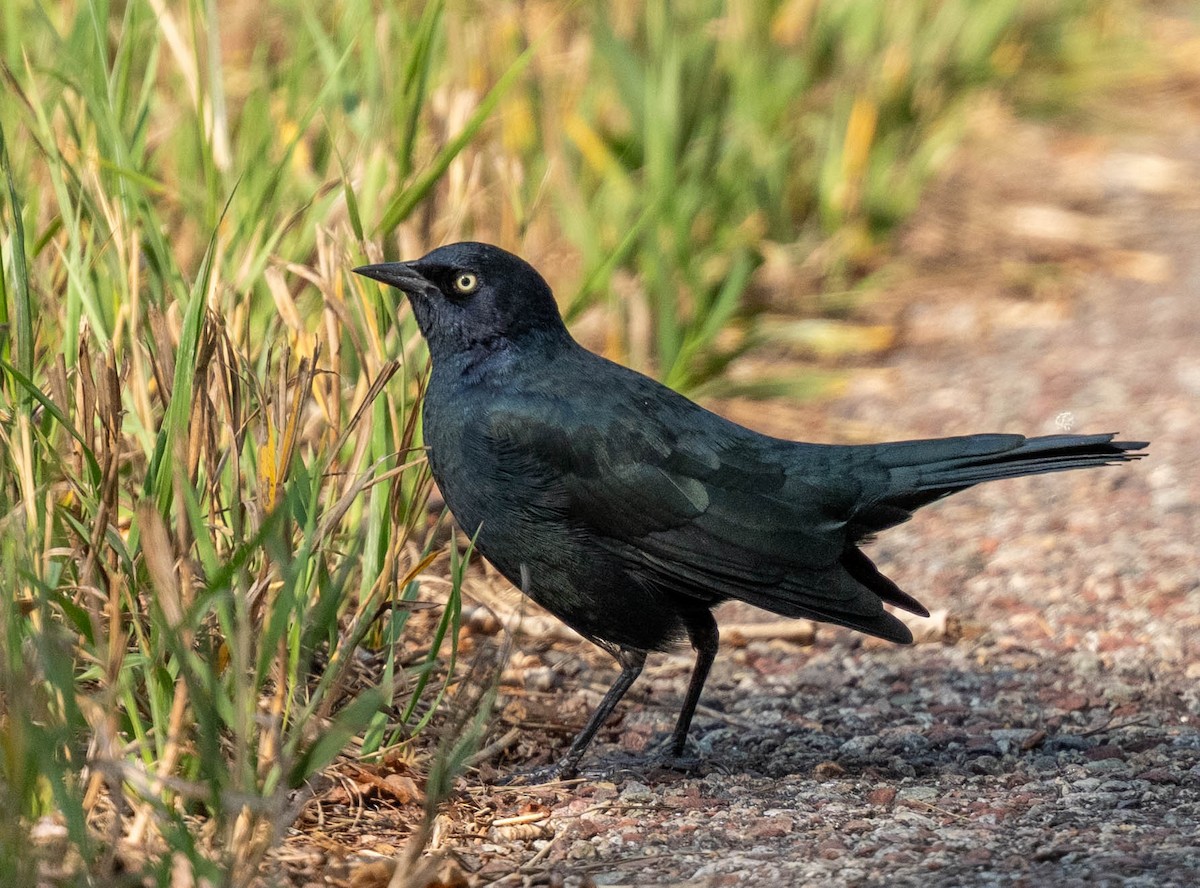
[(699, 506)]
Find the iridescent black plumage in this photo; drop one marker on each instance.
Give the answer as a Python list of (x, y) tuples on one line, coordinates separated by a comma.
[(635, 510)]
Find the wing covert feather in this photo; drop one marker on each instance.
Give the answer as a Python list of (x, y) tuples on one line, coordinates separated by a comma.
[(723, 517)]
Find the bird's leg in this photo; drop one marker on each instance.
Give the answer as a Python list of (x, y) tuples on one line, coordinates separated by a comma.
[(631, 662), (702, 630)]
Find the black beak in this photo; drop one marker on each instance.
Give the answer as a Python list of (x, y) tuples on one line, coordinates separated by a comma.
[(400, 275)]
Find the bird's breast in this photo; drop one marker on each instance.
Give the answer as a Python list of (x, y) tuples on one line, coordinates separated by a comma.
[(484, 494)]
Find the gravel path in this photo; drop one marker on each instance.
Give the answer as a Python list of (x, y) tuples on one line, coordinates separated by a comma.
[(1049, 733)]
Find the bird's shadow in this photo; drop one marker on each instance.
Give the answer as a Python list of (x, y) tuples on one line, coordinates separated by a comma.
[(978, 738)]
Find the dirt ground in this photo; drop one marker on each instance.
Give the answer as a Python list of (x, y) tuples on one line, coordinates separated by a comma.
[(1047, 730)]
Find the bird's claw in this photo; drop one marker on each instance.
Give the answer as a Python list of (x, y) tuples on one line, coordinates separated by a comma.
[(539, 776), (670, 761), (672, 756)]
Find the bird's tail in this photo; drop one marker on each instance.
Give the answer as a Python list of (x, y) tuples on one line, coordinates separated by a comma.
[(923, 471), (920, 472)]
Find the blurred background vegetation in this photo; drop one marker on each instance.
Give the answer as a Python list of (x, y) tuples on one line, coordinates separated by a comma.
[(211, 488)]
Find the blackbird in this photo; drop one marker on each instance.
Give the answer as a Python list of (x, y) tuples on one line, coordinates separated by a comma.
[(631, 511)]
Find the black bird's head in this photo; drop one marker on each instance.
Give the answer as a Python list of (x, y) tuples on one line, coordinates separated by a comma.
[(470, 295)]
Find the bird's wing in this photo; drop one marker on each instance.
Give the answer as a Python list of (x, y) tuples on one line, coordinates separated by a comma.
[(702, 507)]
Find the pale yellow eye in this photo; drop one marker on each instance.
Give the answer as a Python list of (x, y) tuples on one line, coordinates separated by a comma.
[(466, 282)]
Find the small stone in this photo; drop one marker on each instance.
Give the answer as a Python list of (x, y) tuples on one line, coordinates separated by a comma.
[(1062, 742), (986, 764), (1093, 800), (1051, 852), (541, 678), (831, 850), (982, 744), (977, 856), (917, 794), (1107, 751), (581, 850), (883, 795), (636, 792), (828, 770), (1159, 775), (771, 827), (1033, 741), (910, 742), (944, 735), (859, 745), (1071, 702), (604, 790), (1010, 739), (1120, 693)]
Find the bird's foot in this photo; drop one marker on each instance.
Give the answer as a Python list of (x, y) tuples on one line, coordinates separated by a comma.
[(685, 764), (667, 758), (539, 776)]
